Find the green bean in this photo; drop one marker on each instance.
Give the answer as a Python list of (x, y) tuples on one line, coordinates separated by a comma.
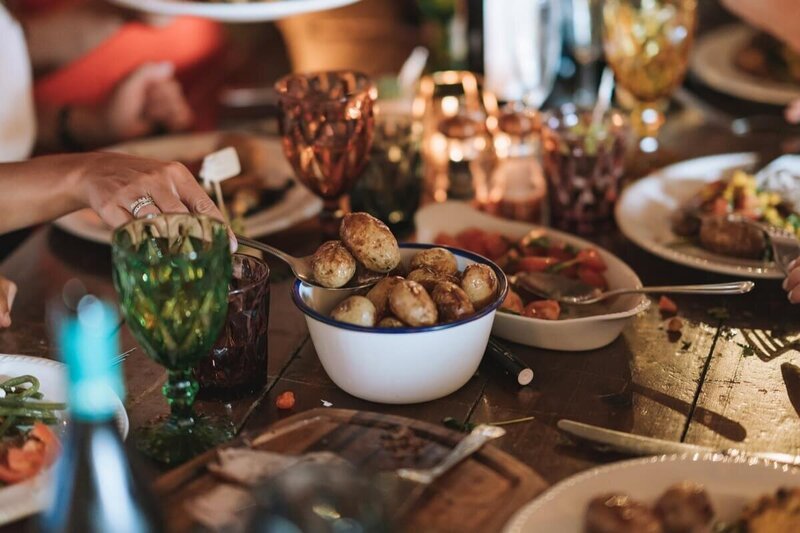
[(15, 402), (6, 425), (33, 413), (12, 383)]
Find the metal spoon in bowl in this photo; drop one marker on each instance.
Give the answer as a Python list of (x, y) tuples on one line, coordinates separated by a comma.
[(301, 266), (574, 292)]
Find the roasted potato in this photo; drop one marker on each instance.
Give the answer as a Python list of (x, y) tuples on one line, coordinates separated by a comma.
[(410, 303), (480, 284), (370, 242), (364, 276), (437, 259), (356, 310), (332, 265), (451, 302), (391, 322), (379, 294), (429, 278)]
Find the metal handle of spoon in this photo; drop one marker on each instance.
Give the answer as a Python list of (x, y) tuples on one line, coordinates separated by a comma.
[(258, 245), (466, 447), (733, 287)]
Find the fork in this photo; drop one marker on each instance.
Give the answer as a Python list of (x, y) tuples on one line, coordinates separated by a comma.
[(118, 360), (784, 243)]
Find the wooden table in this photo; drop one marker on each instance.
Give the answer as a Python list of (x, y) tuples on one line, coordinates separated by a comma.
[(719, 385)]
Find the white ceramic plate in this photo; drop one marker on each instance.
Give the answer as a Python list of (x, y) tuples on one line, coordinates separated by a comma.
[(731, 483), (24, 499), (573, 334), (712, 62), (298, 203), (644, 210), (252, 11)]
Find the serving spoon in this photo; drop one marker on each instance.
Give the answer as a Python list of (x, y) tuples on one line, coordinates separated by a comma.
[(301, 266), (574, 292)]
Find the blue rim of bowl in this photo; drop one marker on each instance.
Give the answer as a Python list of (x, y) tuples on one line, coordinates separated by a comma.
[(501, 278)]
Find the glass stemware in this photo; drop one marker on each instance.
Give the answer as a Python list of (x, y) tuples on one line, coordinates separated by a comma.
[(647, 43), (172, 273), (327, 129)]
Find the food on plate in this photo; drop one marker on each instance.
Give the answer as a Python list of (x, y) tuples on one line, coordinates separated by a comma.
[(370, 241), (390, 321), (706, 217), (332, 265), (667, 306), (357, 310), (675, 325), (619, 513), (767, 57), (437, 260), (452, 302), (379, 293), (411, 303), (536, 252), (684, 508), (772, 513), (27, 444), (285, 400), (480, 284)]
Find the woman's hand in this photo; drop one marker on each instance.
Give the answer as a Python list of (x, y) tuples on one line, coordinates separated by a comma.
[(792, 112), (8, 290), (792, 282)]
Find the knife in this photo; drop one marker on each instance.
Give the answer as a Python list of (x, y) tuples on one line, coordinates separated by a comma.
[(610, 440)]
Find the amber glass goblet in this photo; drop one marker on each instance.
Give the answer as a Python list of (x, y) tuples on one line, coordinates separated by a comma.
[(327, 128)]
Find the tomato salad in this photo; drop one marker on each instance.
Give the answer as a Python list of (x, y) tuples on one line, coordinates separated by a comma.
[(536, 252)]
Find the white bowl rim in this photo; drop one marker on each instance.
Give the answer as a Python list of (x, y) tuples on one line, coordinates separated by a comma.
[(501, 295)]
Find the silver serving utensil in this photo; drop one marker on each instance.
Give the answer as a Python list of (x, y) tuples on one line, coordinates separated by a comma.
[(609, 440), (604, 92), (784, 243), (301, 266), (118, 360), (574, 292), (411, 483)]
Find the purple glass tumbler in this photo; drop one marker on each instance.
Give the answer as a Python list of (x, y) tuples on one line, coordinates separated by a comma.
[(237, 364)]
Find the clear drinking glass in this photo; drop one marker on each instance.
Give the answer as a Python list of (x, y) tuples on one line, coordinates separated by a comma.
[(583, 164), (237, 364), (172, 273), (522, 49), (327, 127), (647, 43), (584, 38)]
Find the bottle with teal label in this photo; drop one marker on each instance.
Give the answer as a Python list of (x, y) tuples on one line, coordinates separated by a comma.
[(95, 488)]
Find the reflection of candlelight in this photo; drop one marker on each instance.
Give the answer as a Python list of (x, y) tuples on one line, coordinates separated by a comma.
[(449, 106)]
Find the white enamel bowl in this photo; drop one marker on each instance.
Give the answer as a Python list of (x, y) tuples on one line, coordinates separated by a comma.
[(572, 334), (399, 365)]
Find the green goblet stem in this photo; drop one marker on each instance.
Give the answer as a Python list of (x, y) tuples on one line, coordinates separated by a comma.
[(180, 390)]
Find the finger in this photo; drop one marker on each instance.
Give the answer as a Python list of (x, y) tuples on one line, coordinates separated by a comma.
[(199, 202), (792, 112), (147, 210), (167, 200), (792, 280), (8, 290), (167, 105), (115, 216), (794, 295)]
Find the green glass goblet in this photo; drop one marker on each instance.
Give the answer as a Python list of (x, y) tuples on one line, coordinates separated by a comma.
[(172, 273)]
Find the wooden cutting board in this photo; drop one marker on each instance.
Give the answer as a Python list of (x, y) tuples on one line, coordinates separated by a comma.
[(480, 494)]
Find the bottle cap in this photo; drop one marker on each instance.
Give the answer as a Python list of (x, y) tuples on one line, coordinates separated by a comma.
[(88, 344)]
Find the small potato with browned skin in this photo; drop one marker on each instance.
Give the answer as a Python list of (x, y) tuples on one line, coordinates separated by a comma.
[(379, 294), (370, 241), (437, 259), (480, 284), (391, 322), (429, 278), (410, 303), (355, 310), (451, 302), (332, 265)]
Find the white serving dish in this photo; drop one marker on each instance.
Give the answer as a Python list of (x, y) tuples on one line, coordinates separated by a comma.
[(398, 365), (572, 334), (731, 483), (254, 11)]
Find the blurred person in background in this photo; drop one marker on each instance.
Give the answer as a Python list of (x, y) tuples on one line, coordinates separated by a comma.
[(36, 190)]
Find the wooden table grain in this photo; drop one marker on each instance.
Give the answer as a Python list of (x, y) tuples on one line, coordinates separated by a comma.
[(720, 384)]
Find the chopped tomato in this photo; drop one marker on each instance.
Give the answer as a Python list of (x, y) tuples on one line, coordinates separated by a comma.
[(495, 245), (591, 259), (535, 264), (7, 475), (445, 239), (592, 277), (25, 461), (667, 306), (285, 400), (544, 309), (560, 252), (512, 302), (43, 433)]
